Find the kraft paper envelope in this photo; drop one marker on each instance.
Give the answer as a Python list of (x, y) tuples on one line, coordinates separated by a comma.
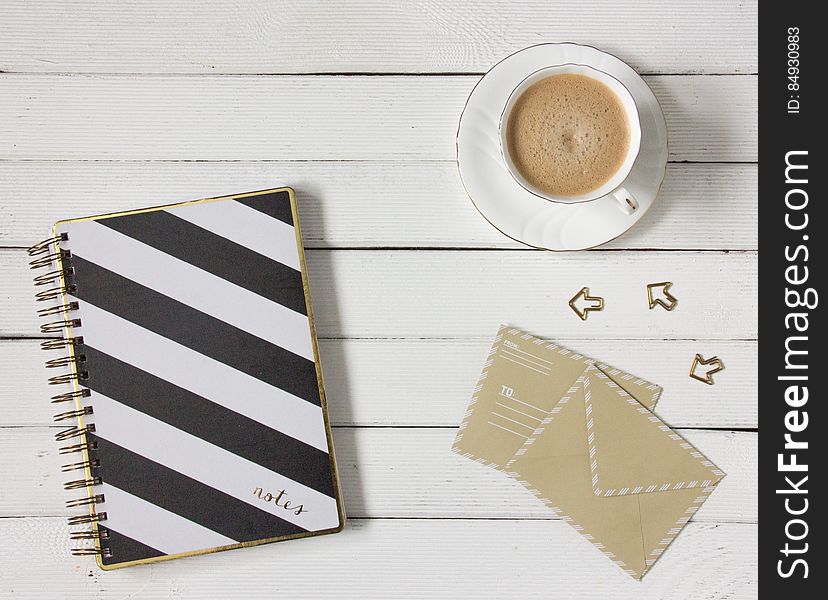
[(615, 472), (581, 436), (523, 379)]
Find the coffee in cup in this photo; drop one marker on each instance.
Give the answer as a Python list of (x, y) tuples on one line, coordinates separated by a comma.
[(570, 133)]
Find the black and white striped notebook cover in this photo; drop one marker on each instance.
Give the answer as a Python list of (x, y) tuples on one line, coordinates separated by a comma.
[(202, 415)]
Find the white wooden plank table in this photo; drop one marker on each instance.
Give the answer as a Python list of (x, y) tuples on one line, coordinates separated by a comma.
[(106, 106)]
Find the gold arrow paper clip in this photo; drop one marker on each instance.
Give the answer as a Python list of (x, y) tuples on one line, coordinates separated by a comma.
[(654, 301), (583, 313), (708, 376)]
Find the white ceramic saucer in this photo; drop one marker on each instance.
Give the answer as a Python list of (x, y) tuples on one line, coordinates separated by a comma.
[(521, 214)]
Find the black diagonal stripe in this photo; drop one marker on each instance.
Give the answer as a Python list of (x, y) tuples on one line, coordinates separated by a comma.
[(215, 254), (276, 205), (196, 330), (125, 549), (211, 422), (186, 497)]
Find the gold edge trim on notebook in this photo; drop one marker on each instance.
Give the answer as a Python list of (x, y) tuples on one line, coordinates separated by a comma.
[(250, 544), (317, 360), (320, 384)]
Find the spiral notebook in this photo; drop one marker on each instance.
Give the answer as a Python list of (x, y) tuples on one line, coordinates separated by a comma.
[(193, 386)]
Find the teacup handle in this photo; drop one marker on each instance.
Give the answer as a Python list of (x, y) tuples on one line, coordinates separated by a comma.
[(626, 201)]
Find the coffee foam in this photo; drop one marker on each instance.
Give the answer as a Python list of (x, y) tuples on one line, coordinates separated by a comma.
[(568, 134)]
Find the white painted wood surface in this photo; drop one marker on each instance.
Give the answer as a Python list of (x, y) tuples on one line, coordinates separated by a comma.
[(106, 106), (123, 117), (394, 558), (155, 36), (365, 204)]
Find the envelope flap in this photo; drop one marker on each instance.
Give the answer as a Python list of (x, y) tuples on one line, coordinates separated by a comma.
[(631, 450)]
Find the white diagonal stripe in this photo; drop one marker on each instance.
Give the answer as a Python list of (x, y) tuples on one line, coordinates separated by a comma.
[(209, 464), (246, 226), (192, 286), (202, 375), (154, 526)]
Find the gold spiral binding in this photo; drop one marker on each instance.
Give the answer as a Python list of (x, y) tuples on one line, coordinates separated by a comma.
[(92, 517), (75, 448), (65, 361), (85, 501), (89, 534), (59, 326), (73, 414), (49, 255), (68, 377), (90, 551), (73, 432), (56, 310), (81, 466), (53, 276), (71, 396), (45, 261), (81, 483), (55, 293), (46, 245), (61, 343)]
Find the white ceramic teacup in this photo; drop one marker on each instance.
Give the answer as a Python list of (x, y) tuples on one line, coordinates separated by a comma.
[(614, 186)]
